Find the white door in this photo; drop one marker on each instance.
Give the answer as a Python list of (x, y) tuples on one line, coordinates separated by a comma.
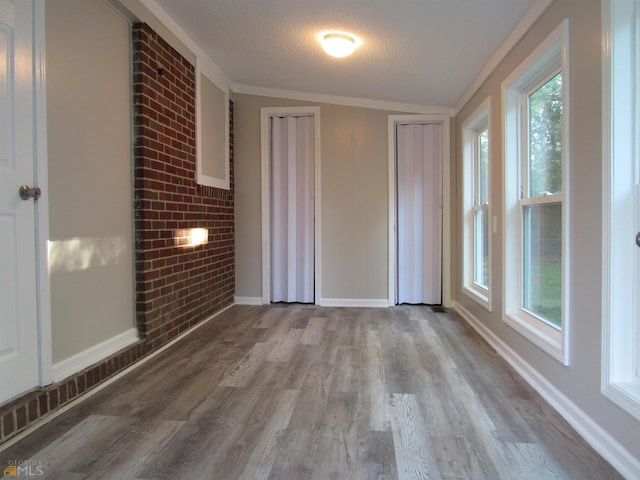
[(19, 361), (292, 209), (419, 213), (636, 288)]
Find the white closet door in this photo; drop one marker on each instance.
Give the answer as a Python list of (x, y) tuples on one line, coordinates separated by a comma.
[(292, 209), (419, 214)]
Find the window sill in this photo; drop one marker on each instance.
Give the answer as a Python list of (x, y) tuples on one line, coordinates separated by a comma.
[(481, 298), (625, 395), (545, 337)]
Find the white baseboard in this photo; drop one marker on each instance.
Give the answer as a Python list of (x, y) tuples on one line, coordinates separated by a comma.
[(610, 449), (92, 355), (247, 300), (324, 302), (89, 393), (354, 302)]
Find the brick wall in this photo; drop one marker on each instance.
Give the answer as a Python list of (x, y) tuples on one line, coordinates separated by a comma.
[(177, 286)]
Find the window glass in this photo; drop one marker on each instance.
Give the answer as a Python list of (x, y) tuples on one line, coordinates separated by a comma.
[(481, 229), (542, 262), (483, 167), (545, 138)]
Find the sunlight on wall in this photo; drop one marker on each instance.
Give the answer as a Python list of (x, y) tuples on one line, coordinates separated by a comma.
[(190, 237), (77, 254)]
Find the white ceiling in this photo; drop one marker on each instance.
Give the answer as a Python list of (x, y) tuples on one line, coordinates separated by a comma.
[(422, 52)]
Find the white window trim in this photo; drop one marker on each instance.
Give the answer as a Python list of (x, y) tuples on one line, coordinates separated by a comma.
[(620, 337), (552, 55), (204, 69), (478, 121)]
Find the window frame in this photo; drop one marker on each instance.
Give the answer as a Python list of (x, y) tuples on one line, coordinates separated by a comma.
[(546, 61), (527, 199), (214, 142), (478, 122), (620, 380)]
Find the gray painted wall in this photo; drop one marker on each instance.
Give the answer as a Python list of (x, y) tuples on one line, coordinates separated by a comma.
[(85, 170), (354, 198), (580, 381), (89, 152)]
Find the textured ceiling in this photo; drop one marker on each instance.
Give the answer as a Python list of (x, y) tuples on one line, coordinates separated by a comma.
[(424, 52)]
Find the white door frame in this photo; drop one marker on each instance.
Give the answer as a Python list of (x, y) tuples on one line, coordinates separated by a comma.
[(444, 121), (43, 288), (265, 156)]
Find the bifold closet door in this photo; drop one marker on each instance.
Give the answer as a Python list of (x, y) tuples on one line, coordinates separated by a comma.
[(419, 214), (292, 209)]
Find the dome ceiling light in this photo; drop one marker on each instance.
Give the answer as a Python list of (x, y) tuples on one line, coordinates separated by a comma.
[(338, 44)]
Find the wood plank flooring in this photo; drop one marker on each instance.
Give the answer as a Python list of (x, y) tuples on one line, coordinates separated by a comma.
[(302, 392)]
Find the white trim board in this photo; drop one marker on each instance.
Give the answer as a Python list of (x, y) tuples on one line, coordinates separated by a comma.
[(43, 277), (525, 24), (355, 302), (534, 13), (214, 72), (607, 446), (204, 70), (339, 100), (40, 422), (247, 300), (325, 302), (620, 360), (92, 355)]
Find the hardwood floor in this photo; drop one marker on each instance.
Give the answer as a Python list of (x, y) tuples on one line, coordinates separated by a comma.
[(303, 392)]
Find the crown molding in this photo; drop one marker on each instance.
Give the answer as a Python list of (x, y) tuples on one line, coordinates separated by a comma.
[(204, 61), (339, 100), (525, 24)]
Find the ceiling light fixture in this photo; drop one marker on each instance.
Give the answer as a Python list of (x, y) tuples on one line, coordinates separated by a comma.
[(338, 44)]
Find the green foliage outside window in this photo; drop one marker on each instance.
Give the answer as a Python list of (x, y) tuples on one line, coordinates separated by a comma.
[(545, 138), (543, 224)]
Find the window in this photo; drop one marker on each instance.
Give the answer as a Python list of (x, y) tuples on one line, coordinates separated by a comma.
[(621, 206), (541, 203), (477, 214), (212, 128), (535, 98)]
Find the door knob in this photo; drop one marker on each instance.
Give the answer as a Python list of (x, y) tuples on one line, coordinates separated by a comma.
[(638, 239), (26, 192)]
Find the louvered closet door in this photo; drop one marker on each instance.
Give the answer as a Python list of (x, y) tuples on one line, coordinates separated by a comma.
[(292, 209), (419, 214)]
